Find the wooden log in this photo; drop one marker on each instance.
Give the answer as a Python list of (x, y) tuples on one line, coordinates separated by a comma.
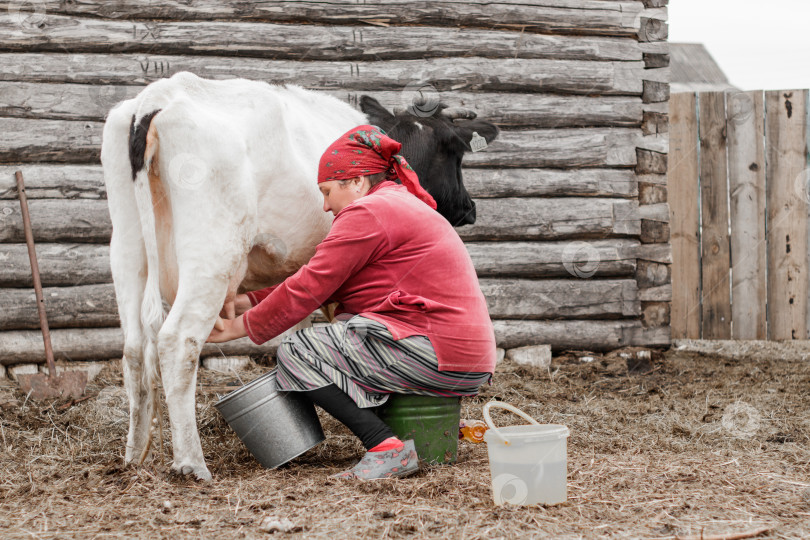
[(562, 335), (50, 181), (652, 29), (651, 193), (655, 60), (49, 140), (67, 181), (746, 177), (82, 220), (652, 274), (650, 337), (683, 194), (715, 261), (59, 265), (93, 102), (654, 314), (71, 264), (76, 344), (595, 147), (601, 258), (661, 253), (88, 221), (654, 123), (655, 92), (77, 142), (489, 183), (786, 158), (588, 17), (445, 74), (561, 299), (655, 3), (57, 33), (652, 179), (649, 162), (82, 306), (662, 293), (654, 232), (552, 219), (654, 212)]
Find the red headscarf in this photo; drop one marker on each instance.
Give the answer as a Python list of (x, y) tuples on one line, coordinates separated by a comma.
[(366, 150)]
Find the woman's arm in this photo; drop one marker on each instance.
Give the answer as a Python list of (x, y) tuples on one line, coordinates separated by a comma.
[(356, 238)]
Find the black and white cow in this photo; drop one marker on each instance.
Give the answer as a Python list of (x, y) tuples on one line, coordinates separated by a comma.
[(212, 188)]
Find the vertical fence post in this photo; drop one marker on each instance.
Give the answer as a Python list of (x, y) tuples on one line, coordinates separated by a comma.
[(786, 151), (746, 178), (682, 190), (715, 261)]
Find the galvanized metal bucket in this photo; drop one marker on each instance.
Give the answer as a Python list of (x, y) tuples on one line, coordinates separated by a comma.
[(275, 426), (432, 423)]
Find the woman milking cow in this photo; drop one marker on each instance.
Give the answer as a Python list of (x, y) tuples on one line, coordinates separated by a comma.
[(411, 318)]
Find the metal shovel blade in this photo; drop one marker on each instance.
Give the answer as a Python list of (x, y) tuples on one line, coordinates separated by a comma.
[(69, 384)]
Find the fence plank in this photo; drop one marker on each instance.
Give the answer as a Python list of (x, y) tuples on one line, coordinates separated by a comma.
[(715, 262), (786, 133), (746, 176), (682, 190)]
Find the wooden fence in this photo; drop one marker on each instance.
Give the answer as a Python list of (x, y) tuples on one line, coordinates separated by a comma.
[(578, 87), (738, 187)]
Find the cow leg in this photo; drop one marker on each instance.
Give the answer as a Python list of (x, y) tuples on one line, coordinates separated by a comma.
[(180, 342), (127, 262)]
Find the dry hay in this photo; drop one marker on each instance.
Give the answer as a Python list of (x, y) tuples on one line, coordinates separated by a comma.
[(684, 445)]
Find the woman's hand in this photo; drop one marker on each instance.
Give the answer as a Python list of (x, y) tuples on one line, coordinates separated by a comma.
[(241, 304), (237, 306), (226, 330)]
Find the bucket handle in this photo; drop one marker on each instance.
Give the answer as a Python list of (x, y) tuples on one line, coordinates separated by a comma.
[(508, 407)]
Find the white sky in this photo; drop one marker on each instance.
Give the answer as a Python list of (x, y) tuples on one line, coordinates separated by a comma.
[(759, 44)]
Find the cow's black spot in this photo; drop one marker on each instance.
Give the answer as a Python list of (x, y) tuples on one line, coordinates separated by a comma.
[(137, 141)]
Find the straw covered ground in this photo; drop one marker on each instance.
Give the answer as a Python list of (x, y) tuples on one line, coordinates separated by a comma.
[(680, 446)]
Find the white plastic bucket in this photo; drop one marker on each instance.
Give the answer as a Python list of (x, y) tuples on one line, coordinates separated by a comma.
[(528, 463)]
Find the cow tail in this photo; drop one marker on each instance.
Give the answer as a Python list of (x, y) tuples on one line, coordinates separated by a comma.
[(143, 147)]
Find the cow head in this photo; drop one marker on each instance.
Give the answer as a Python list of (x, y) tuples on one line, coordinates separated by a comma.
[(434, 146)]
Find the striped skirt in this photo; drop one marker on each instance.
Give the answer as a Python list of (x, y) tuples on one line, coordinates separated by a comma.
[(360, 356)]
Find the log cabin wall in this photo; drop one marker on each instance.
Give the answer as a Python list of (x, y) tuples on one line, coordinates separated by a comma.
[(572, 238)]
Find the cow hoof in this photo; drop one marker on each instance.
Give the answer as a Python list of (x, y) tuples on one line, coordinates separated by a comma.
[(200, 472)]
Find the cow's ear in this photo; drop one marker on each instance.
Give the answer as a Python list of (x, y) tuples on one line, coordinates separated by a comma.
[(376, 113), (465, 129)]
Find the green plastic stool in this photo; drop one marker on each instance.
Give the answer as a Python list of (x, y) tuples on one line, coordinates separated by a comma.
[(432, 422)]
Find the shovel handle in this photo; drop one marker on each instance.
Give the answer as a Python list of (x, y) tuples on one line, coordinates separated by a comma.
[(32, 255)]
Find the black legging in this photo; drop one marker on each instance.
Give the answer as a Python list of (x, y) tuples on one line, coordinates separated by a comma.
[(362, 422)]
